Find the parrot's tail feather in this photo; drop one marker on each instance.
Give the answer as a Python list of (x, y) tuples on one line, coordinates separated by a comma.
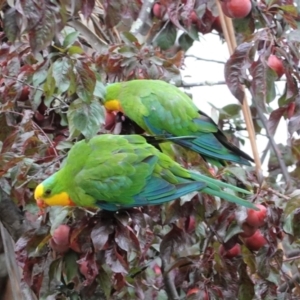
[(230, 198), (213, 183), (198, 146), (148, 198)]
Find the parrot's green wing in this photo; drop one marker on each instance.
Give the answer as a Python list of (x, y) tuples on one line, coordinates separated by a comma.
[(119, 174), (130, 172), (162, 109)]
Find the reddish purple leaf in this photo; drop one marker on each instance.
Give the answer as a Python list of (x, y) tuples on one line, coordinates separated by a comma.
[(115, 260), (233, 70), (262, 84), (173, 241), (87, 8), (274, 119), (100, 235)]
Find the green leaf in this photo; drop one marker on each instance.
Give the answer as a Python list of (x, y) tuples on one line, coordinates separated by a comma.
[(246, 26), (11, 28), (70, 38), (246, 286), (162, 295), (232, 231), (100, 90), (291, 9), (185, 41), (167, 37), (70, 265), (249, 259), (61, 70), (57, 216), (288, 224), (85, 118), (39, 77), (55, 270), (86, 81), (75, 50), (49, 85), (232, 110), (128, 38), (105, 283), (292, 205)]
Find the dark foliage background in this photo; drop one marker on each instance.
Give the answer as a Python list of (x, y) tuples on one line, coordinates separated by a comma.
[(55, 60)]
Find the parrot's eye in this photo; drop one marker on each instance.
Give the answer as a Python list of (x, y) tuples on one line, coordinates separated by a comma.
[(47, 192)]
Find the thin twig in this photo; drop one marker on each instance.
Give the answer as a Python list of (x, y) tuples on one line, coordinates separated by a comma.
[(203, 83), (46, 136), (168, 282), (34, 88), (205, 59), (159, 32), (274, 146), (265, 152), (292, 258), (273, 192), (142, 24), (228, 31)]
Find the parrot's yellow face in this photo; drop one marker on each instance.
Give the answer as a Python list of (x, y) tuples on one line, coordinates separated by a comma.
[(44, 196)]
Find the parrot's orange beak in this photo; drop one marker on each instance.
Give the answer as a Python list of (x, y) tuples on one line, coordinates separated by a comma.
[(41, 203), (38, 196)]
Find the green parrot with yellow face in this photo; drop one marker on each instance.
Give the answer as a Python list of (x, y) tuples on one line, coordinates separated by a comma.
[(162, 109), (115, 171)]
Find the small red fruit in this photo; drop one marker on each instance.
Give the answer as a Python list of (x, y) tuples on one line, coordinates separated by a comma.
[(24, 94), (248, 230), (157, 269), (233, 252), (193, 16), (197, 292), (190, 224), (38, 116), (110, 120), (83, 268), (256, 241), (58, 248), (256, 218), (236, 8), (61, 235), (216, 25), (157, 10), (276, 64)]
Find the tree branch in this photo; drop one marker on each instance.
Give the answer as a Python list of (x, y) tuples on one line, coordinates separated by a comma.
[(168, 281), (205, 59), (278, 155), (229, 34), (142, 24), (204, 83), (12, 226)]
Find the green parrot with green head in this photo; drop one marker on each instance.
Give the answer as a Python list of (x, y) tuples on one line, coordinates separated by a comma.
[(162, 109), (115, 171)]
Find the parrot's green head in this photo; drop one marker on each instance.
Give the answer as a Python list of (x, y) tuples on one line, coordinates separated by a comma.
[(111, 101), (51, 193)]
